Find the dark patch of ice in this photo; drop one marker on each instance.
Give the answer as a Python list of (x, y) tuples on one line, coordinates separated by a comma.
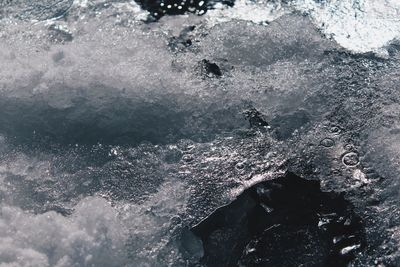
[(287, 221)]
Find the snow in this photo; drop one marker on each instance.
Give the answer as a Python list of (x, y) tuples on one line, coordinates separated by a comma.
[(92, 235)]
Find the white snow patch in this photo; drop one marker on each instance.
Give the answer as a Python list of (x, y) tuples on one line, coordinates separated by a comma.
[(361, 26), (91, 236)]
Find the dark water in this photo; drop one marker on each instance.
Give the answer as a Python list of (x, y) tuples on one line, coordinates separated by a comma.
[(282, 222)]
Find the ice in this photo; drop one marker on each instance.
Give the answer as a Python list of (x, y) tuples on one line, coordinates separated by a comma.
[(112, 88), (134, 79), (353, 24), (38, 10), (158, 236), (117, 135), (50, 10)]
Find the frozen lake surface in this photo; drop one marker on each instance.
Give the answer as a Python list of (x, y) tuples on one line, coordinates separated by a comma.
[(156, 133)]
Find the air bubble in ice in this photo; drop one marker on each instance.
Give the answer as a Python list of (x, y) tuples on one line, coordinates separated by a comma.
[(187, 158), (185, 145), (350, 159), (175, 220), (349, 147), (240, 165), (334, 129), (335, 172), (327, 142)]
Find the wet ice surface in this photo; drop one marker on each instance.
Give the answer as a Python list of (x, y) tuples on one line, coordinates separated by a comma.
[(118, 136)]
